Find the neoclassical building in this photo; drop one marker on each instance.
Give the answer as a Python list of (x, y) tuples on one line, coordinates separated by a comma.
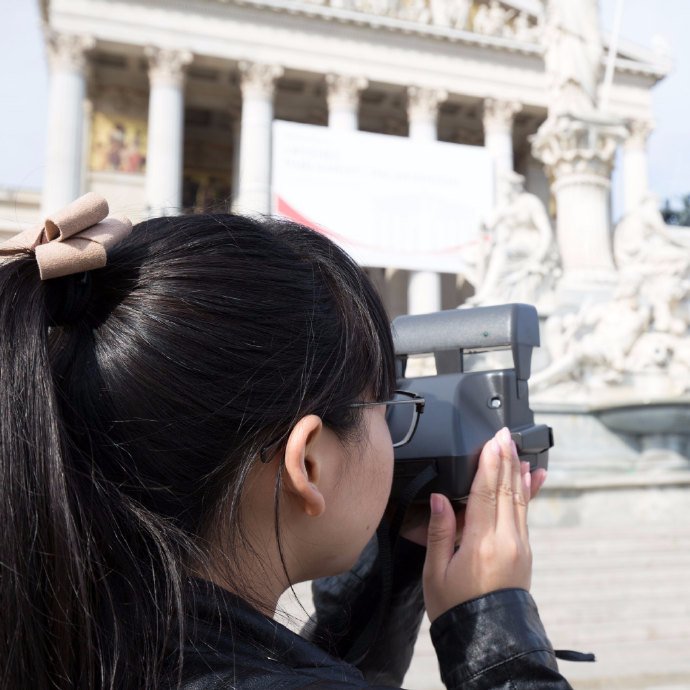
[(168, 105)]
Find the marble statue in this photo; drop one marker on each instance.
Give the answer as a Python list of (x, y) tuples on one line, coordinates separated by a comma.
[(637, 342), (453, 14), (573, 55), (642, 241), (643, 246), (522, 261), (522, 28), (492, 19), (592, 346)]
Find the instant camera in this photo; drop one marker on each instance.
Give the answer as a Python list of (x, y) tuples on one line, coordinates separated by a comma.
[(464, 408)]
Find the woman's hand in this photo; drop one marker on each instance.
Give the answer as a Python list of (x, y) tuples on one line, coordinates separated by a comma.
[(494, 549)]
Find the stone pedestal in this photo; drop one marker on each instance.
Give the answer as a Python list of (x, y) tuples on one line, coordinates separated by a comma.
[(164, 158), (63, 171), (578, 154), (258, 85)]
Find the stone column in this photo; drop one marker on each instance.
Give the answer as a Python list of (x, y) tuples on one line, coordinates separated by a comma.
[(635, 175), (258, 85), (578, 155), (424, 287), (165, 150), (63, 171), (422, 112), (498, 138), (343, 101)]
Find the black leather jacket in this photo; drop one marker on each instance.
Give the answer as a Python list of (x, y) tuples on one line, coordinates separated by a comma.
[(496, 641)]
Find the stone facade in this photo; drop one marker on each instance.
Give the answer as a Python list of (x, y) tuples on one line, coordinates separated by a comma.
[(168, 106)]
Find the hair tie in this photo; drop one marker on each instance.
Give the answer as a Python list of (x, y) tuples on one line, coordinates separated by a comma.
[(73, 240)]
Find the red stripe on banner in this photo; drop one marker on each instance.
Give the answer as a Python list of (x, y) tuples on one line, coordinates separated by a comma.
[(284, 209)]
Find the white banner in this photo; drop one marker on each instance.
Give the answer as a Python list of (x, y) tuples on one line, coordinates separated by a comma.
[(388, 201)]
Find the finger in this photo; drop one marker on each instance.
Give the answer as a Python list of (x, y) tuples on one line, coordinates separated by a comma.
[(538, 478), (518, 481), (481, 504), (440, 543), (524, 482), (510, 467), (521, 493), (521, 506)]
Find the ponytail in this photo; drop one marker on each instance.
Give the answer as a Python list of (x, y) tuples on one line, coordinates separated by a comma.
[(44, 573), (82, 566)]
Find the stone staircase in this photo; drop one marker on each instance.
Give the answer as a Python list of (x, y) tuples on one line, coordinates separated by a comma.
[(622, 593)]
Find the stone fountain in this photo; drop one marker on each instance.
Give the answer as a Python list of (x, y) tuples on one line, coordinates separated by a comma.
[(613, 379)]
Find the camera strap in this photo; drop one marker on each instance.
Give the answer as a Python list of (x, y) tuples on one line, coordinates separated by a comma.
[(387, 535)]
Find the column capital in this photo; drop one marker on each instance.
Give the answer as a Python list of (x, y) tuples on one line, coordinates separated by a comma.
[(258, 79), (569, 147), (638, 133), (498, 114), (67, 51), (343, 90), (167, 66), (423, 103)]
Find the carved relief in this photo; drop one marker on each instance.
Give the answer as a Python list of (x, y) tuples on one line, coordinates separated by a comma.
[(490, 18)]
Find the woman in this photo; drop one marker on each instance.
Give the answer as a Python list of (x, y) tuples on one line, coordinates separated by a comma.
[(183, 437)]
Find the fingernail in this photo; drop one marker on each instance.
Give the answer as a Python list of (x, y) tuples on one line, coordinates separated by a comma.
[(505, 437), (524, 467), (495, 446), (528, 480), (436, 504)]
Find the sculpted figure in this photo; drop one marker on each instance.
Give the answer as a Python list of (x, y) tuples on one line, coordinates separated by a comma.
[(522, 257), (573, 55), (593, 345), (450, 13), (522, 29), (644, 246), (642, 240), (492, 19), (413, 10)]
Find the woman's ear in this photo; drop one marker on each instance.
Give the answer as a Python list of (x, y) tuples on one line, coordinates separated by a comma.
[(303, 465)]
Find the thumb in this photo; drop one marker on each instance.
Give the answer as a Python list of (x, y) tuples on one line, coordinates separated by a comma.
[(440, 544)]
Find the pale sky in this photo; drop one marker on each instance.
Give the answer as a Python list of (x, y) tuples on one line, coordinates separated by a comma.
[(24, 92)]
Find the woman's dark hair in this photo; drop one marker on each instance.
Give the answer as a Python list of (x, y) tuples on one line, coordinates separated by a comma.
[(128, 425)]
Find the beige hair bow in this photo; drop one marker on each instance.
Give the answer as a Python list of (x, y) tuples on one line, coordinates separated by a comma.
[(73, 240)]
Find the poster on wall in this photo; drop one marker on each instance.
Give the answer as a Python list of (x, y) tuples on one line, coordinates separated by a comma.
[(118, 143), (388, 201)]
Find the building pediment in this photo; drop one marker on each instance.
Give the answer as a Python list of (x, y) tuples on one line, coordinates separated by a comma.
[(509, 25)]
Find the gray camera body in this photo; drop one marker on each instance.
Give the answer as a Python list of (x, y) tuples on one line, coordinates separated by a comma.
[(464, 409)]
